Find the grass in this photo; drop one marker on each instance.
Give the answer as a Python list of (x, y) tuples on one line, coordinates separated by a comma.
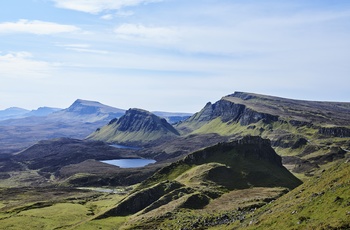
[(323, 202), (229, 208), (54, 208)]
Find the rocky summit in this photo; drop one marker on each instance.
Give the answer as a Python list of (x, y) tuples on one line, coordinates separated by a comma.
[(136, 127)]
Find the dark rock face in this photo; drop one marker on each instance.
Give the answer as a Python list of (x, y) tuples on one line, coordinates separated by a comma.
[(334, 131), (247, 146), (136, 120), (229, 111), (300, 123)]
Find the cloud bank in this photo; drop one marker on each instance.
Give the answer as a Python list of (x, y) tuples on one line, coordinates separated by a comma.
[(35, 27), (98, 6)]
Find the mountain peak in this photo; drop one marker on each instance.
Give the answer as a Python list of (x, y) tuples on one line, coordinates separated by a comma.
[(136, 126)]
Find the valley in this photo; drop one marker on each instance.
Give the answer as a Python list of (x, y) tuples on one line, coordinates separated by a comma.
[(247, 161)]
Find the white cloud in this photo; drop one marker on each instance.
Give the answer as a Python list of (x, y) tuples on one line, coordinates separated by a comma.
[(122, 13), (107, 17), (97, 6), (147, 33), (78, 45), (22, 65), (84, 48), (36, 27)]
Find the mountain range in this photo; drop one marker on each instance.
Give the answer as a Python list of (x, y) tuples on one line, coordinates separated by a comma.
[(16, 113), (20, 128), (237, 163)]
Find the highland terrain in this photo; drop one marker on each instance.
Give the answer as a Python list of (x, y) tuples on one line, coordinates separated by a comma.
[(246, 161)]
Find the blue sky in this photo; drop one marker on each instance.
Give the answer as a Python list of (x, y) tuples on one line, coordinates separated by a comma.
[(171, 55)]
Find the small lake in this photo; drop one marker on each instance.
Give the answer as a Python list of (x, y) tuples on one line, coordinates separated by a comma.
[(130, 163)]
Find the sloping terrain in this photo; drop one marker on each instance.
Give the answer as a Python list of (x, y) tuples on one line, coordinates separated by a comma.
[(202, 177), (308, 134), (137, 127), (323, 202)]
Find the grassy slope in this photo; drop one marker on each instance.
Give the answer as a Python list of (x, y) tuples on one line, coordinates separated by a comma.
[(322, 202), (55, 208), (109, 134)]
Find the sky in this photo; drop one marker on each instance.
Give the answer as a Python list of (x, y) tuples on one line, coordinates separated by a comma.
[(171, 55)]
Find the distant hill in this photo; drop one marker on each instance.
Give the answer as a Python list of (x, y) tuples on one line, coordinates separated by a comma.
[(18, 113), (88, 111), (13, 113), (308, 134), (42, 111), (136, 127)]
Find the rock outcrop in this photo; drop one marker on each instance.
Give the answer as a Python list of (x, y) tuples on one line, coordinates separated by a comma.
[(229, 112), (334, 131)]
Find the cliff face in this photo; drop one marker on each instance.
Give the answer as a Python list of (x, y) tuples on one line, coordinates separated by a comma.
[(136, 126), (229, 112)]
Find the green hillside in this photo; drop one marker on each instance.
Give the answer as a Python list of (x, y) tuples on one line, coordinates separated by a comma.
[(322, 202), (202, 178)]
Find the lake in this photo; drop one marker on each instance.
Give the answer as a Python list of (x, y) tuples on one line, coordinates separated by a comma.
[(130, 163)]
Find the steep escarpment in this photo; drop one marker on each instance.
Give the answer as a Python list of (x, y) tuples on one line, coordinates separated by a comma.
[(136, 127), (298, 129), (227, 112)]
